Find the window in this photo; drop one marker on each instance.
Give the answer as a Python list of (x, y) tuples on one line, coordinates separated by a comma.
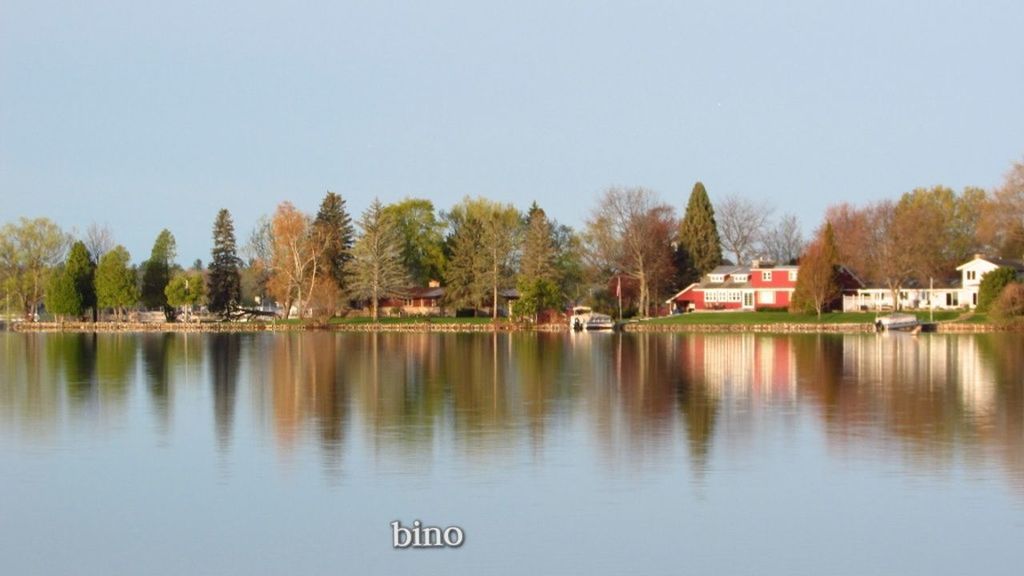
[(767, 276), (972, 275), (766, 297), (792, 275)]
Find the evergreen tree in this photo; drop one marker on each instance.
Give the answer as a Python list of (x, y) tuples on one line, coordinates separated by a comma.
[(377, 268), (225, 288), (538, 273), (156, 273), (61, 297), (538, 259), (466, 273), (116, 285), (698, 236), (81, 268), (334, 228)]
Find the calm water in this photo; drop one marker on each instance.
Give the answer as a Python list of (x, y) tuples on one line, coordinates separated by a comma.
[(557, 454)]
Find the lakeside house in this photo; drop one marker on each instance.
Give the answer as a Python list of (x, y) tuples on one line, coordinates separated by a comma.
[(941, 294), (763, 285)]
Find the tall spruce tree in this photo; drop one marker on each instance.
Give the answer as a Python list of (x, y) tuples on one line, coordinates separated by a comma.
[(538, 282), (156, 273), (333, 227), (698, 236), (377, 268), (81, 268), (225, 281)]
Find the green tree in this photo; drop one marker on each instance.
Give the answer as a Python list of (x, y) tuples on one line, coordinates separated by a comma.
[(116, 285), (156, 273), (376, 266), (62, 299), (698, 236), (538, 267), (538, 259), (422, 239), (498, 230), (28, 251), (225, 290), (992, 285), (817, 284), (186, 290), (333, 226), (466, 273), (82, 270)]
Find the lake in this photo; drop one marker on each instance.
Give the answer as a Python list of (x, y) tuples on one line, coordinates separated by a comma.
[(554, 453)]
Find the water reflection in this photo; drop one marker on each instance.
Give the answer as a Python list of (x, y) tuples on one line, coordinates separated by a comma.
[(411, 400)]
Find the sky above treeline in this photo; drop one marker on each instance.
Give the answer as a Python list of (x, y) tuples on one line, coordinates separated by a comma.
[(144, 115)]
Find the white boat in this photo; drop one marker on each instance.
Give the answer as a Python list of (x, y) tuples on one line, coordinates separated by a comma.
[(896, 322), (600, 322), (584, 318)]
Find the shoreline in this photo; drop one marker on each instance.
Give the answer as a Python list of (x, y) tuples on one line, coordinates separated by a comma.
[(467, 327)]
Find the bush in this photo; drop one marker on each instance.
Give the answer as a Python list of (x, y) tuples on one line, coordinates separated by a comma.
[(992, 285), (1010, 304)]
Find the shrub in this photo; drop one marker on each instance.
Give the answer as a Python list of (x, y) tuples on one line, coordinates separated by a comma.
[(992, 285), (1010, 304)]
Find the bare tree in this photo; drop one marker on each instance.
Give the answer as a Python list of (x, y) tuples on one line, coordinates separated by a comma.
[(783, 242), (630, 233), (741, 224), (98, 240)]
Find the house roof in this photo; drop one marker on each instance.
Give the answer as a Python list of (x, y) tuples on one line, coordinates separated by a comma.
[(729, 269), (1000, 262)]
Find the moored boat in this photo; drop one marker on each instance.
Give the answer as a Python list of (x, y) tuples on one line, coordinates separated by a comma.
[(600, 322), (893, 322)]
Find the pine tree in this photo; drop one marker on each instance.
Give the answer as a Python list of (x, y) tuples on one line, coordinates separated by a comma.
[(538, 282), (334, 229), (538, 259), (61, 297), (466, 274), (225, 281), (698, 236), (376, 266), (156, 273), (81, 268)]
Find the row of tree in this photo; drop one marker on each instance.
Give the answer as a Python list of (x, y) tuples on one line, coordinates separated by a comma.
[(633, 245)]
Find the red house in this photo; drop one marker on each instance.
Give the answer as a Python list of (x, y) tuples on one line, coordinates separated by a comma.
[(759, 286)]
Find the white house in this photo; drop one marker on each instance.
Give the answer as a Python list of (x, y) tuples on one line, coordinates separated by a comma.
[(972, 272), (949, 294)]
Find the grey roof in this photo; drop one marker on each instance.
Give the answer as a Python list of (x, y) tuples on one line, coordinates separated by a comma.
[(728, 269)]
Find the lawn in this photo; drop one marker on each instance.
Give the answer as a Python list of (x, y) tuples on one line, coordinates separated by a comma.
[(745, 317), (417, 320)]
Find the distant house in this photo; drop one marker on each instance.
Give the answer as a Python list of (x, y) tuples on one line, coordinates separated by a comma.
[(976, 268), (960, 291), (415, 301), (762, 285)]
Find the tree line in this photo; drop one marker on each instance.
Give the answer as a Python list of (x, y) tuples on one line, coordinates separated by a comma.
[(633, 246)]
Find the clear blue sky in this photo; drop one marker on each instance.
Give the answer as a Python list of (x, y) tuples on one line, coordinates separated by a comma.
[(145, 115)]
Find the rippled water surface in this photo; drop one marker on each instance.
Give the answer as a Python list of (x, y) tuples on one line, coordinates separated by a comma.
[(556, 453)]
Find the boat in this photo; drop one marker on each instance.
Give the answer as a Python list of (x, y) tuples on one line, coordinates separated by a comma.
[(894, 322), (600, 322), (584, 318)]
